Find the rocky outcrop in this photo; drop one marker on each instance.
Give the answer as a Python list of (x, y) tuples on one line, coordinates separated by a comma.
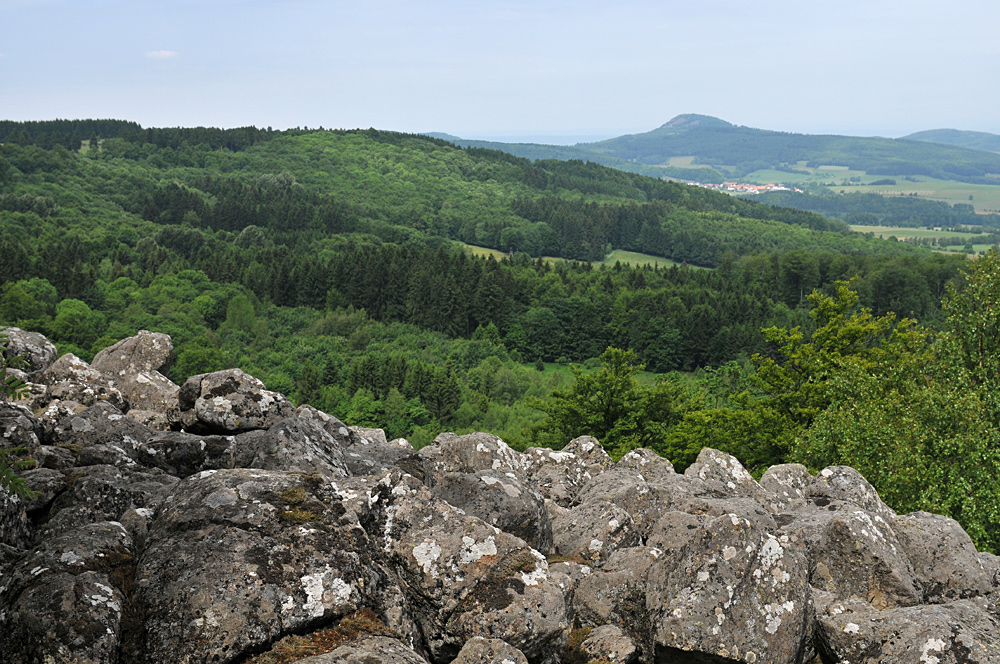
[(253, 522), (229, 401), (36, 352)]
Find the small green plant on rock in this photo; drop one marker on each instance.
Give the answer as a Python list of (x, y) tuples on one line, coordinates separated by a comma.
[(11, 388)]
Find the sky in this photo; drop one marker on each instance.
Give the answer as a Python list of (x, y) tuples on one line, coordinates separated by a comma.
[(544, 71)]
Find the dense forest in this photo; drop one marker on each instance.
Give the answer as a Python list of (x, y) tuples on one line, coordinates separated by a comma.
[(335, 266)]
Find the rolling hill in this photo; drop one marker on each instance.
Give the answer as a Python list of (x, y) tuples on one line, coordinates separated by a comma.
[(974, 140), (708, 149)]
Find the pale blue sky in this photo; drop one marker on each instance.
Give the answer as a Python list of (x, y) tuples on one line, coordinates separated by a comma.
[(506, 70)]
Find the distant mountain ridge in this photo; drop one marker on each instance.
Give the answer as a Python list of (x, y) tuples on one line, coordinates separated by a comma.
[(975, 140), (718, 150)]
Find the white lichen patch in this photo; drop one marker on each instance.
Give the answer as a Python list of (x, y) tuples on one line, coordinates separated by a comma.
[(728, 552), (851, 628), (490, 481), (473, 550), (312, 584), (426, 554), (932, 644), (534, 577), (70, 558), (596, 545), (221, 497)]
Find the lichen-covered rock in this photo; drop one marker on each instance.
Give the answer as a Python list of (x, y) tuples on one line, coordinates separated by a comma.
[(463, 577), (104, 493), (958, 632), (146, 351), (854, 552), (944, 558), (787, 485), (845, 483), (182, 454), (615, 594), (593, 531), (19, 428), (292, 444), (100, 424), (340, 431), (468, 454), (51, 456), (366, 435), (501, 500), (238, 558), (138, 364), (369, 456), (368, 650), (38, 352), (560, 474), (725, 476), (745, 508), (735, 592), (648, 463), (46, 483), (65, 601), (71, 379), (229, 401), (149, 419), (489, 651), (626, 488), (608, 643), (15, 529)]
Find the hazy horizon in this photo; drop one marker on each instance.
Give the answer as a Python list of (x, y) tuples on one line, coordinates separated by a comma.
[(510, 70)]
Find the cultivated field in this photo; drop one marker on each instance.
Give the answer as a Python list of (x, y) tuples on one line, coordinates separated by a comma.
[(618, 255)]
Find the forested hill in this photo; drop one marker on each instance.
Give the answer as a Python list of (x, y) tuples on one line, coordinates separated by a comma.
[(331, 265), (410, 189), (734, 151), (975, 140)]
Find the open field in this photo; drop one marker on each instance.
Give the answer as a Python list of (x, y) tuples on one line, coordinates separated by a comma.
[(902, 232), (618, 255), (985, 197), (955, 242)]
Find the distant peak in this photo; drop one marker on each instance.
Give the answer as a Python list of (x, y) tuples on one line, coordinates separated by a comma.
[(690, 120)]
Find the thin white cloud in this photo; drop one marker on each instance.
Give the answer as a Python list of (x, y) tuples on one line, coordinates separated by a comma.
[(161, 55)]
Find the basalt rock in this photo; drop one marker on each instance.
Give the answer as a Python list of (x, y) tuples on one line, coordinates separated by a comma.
[(71, 379), (560, 474), (259, 521), (37, 351), (229, 401), (65, 601), (238, 558)]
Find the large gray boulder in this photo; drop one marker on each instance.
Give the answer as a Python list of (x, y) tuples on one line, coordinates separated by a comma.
[(847, 484), (945, 560), (735, 591), (959, 632), (229, 401), (615, 594), (466, 454), (501, 500), (591, 532), (559, 474), (489, 651), (37, 352), (239, 558), (105, 493), (725, 476), (138, 365), (15, 529), (19, 428), (648, 463), (787, 486), (368, 650), (146, 351), (854, 552), (65, 602), (71, 379), (99, 425), (462, 576)]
